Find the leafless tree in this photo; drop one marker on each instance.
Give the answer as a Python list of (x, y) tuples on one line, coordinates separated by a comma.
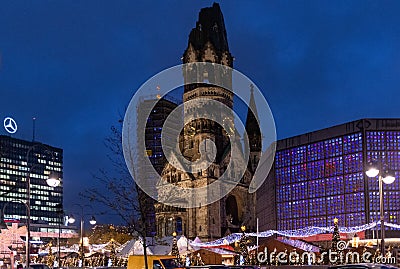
[(123, 197)]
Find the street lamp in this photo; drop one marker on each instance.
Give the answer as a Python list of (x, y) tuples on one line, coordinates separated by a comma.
[(385, 176), (92, 221), (52, 181), (60, 211)]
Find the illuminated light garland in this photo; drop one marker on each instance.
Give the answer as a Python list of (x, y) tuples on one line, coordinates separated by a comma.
[(303, 232), (219, 242), (300, 245), (262, 234), (392, 225), (356, 229)]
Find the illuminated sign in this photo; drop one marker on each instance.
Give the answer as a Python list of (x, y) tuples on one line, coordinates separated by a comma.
[(10, 125)]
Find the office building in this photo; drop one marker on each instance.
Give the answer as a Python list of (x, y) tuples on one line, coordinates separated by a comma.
[(153, 129), (20, 159)]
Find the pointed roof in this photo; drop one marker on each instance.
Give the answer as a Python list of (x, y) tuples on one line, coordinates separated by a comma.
[(210, 27), (252, 125)]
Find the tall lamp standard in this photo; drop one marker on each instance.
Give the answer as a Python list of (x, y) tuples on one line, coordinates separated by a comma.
[(92, 221), (384, 176), (53, 181), (60, 211)]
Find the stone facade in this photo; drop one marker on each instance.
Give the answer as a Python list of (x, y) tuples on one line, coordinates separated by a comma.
[(208, 43)]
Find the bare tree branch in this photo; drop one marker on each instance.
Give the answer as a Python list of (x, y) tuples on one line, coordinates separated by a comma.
[(123, 197)]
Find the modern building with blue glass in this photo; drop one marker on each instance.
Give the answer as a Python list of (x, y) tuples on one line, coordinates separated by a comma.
[(154, 152), (20, 159), (320, 176)]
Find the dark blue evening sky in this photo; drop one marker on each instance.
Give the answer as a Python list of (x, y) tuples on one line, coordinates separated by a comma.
[(74, 65)]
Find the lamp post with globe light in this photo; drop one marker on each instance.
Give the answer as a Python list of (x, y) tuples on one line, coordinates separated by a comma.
[(53, 180), (384, 176), (92, 221)]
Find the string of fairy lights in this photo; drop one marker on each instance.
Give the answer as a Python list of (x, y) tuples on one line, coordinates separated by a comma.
[(304, 232)]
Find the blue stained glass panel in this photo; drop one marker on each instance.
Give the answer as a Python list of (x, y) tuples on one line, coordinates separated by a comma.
[(315, 169), (330, 174), (315, 151), (393, 158), (299, 191), (340, 217), (353, 163), (316, 188), (298, 155), (282, 158), (393, 200), (354, 202), (279, 194), (334, 166), (375, 140), (317, 207), (376, 155), (278, 159), (283, 175), (300, 209), (286, 210), (394, 217), (285, 225), (284, 193), (301, 223), (318, 221), (334, 185), (335, 204), (352, 143), (279, 211), (393, 141), (333, 147), (299, 173), (373, 183), (354, 182), (355, 219)]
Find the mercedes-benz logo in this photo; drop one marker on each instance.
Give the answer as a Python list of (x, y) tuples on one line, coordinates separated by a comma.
[(10, 125)]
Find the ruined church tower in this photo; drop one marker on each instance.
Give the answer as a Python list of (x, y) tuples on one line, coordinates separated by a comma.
[(208, 43)]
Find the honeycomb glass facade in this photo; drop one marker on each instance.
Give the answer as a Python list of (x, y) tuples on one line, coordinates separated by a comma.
[(15, 167), (385, 146), (318, 181)]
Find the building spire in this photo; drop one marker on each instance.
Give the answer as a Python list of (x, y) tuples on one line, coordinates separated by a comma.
[(253, 131), (208, 42), (210, 28), (252, 125)]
